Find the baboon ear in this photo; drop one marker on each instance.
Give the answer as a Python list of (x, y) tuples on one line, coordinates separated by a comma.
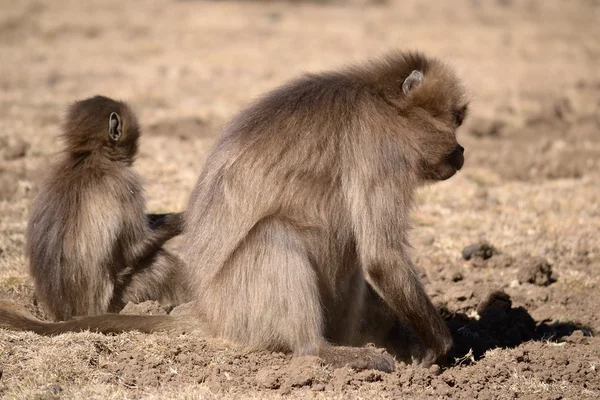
[(414, 80), (115, 128)]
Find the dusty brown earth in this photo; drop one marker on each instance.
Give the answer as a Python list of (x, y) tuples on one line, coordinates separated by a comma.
[(524, 308)]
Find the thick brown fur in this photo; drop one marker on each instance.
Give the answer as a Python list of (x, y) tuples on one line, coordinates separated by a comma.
[(307, 197), (90, 244)]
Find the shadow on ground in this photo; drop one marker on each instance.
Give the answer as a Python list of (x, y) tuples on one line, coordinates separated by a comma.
[(498, 325), (495, 324)]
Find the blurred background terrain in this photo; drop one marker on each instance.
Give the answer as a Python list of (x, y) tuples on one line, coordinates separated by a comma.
[(522, 301)]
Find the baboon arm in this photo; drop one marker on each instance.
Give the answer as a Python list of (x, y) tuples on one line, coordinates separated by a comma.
[(379, 193), (162, 280), (388, 268), (165, 228), (155, 220)]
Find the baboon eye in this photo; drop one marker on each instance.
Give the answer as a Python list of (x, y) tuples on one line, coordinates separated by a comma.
[(459, 116)]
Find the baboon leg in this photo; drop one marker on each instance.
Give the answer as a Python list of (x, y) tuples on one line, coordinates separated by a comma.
[(268, 295), (343, 328), (161, 280), (357, 358), (343, 312)]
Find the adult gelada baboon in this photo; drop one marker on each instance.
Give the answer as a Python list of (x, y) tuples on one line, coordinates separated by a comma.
[(306, 197), (91, 246)]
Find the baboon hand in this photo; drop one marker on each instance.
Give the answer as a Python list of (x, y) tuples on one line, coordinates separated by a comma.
[(175, 221), (433, 348)]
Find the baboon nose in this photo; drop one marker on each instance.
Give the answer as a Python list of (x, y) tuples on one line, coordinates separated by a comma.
[(457, 159)]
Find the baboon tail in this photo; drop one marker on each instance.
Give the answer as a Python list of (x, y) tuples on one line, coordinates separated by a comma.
[(16, 319)]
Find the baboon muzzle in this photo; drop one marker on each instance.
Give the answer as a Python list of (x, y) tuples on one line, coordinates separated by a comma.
[(456, 158)]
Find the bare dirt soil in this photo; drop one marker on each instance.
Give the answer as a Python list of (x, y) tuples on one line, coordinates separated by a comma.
[(523, 302)]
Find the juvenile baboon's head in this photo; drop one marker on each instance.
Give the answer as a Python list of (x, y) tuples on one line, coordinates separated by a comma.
[(100, 124), (432, 103)]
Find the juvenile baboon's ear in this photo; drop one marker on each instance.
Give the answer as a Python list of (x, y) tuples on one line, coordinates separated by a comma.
[(115, 128), (414, 80)]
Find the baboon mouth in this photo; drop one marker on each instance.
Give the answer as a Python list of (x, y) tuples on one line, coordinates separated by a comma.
[(451, 171)]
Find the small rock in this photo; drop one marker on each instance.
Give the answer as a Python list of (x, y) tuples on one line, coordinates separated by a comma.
[(496, 300), (577, 337), (435, 370), (482, 250), (536, 270), (268, 379)]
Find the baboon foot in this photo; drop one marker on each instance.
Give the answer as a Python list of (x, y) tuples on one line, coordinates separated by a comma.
[(358, 358)]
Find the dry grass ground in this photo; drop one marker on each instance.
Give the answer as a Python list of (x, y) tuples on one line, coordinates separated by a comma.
[(529, 187)]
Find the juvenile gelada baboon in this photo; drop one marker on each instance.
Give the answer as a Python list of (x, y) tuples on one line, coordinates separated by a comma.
[(91, 246), (306, 197)]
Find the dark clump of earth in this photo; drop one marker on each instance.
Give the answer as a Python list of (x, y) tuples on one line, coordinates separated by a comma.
[(497, 324), (482, 250), (536, 270)]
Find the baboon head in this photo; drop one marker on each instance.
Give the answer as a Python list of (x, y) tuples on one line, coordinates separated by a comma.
[(432, 101), (100, 124)]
